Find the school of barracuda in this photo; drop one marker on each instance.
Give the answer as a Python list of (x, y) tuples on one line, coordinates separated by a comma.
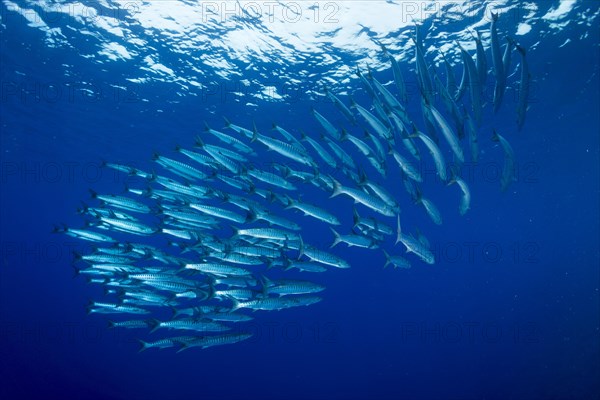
[(228, 222)]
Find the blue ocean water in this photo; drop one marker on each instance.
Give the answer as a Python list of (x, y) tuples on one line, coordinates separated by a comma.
[(511, 307)]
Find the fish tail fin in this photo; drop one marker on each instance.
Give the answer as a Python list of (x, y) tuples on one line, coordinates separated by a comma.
[(77, 256), (291, 202), (453, 175), (251, 188), (286, 171), (387, 258), (89, 308), (154, 323), (418, 195), (362, 177), (494, 16), (398, 230), (206, 294), (235, 304), (266, 282), (391, 149), (369, 74), (227, 122), (251, 215), (199, 142), (355, 217), (414, 134), (93, 193), (495, 137), (206, 127), (111, 324), (352, 102), (270, 196), (337, 187), (336, 238), (343, 135), (145, 345), (254, 134), (301, 248), (270, 263), (288, 264)]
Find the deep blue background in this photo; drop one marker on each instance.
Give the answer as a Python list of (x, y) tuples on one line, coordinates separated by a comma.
[(523, 326)]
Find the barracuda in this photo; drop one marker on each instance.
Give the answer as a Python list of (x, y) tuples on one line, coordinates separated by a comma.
[(85, 234), (360, 196), (414, 246), (329, 128), (285, 149), (448, 134), (210, 341), (121, 202), (509, 168), (219, 269), (313, 211), (129, 226), (276, 303), (235, 142), (438, 158)]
